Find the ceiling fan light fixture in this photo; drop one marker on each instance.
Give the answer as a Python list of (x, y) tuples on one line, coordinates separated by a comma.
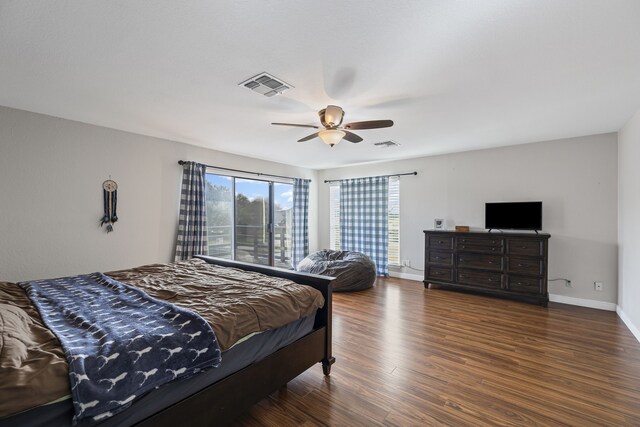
[(331, 136)]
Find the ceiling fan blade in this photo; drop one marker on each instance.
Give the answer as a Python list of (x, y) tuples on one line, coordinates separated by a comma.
[(307, 138), (369, 124), (296, 125), (351, 137)]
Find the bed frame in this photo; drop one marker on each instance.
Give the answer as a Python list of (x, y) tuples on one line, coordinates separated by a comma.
[(225, 400)]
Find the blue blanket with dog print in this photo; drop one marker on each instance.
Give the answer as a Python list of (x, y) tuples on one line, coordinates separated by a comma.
[(119, 341)]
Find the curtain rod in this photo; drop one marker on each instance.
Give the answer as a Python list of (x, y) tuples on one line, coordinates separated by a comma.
[(379, 176), (182, 162)]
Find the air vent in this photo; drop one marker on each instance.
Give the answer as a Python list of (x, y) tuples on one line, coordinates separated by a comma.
[(387, 144), (266, 84)]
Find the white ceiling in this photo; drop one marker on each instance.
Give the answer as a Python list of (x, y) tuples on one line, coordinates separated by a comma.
[(453, 75)]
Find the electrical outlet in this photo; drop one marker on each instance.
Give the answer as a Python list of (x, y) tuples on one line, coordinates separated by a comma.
[(598, 286), (406, 263), (567, 283)]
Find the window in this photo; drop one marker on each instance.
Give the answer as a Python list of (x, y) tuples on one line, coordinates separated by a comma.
[(282, 220), (394, 219), (249, 220), (334, 218), (220, 215)]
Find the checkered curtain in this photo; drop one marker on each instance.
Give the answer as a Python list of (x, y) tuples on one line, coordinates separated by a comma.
[(300, 222), (192, 222), (364, 225)]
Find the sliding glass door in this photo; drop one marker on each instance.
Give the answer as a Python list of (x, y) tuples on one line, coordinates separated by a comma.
[(249, 220), (253, 220), (220, 218), (282, 216)]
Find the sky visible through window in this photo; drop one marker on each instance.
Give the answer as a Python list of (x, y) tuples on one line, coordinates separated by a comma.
[(283, 194), (253, 189)]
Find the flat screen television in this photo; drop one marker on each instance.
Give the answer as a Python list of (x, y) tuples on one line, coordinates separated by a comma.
[(513, 216)]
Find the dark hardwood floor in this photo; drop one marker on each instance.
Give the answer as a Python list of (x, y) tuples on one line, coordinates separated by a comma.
[(413, 356)]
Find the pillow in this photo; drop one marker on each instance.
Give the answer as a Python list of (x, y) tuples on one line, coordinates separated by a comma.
[(15, 336)]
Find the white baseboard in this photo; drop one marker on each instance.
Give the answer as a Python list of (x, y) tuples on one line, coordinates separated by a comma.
[(582, 302), (634, 330), (591, 303), (400, 275)]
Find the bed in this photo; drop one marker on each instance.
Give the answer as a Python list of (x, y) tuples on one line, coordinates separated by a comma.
[(253, 365)]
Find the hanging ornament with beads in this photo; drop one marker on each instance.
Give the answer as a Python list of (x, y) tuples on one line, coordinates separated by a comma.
[(110, 196)]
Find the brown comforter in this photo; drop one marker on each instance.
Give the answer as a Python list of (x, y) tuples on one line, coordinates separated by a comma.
[(236, 303)]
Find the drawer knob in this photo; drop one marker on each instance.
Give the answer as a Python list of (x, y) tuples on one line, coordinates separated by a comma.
[(493, 249), (524, 247), (489, 280), (520, 265), (463, 246), (490, 262), (493, 241), (519, 283)]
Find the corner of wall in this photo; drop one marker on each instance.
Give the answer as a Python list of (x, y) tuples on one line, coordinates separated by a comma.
[(627, 321), (628, 228)]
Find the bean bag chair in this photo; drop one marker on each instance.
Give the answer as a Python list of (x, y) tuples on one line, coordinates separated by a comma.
[(353, 271)]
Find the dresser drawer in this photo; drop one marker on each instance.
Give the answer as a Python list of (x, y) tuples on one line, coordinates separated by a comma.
[(439, 273), (444, 258), (528, 285), (528, 247), (480, 244), (482, 279), (487, 262), (440, 242), (532, 266)]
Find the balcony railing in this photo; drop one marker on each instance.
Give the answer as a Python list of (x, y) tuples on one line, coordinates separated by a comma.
[(252, 244)]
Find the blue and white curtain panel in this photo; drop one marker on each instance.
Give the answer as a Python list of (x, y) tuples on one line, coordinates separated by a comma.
[(300, 221), (364, 219), (192, 223)]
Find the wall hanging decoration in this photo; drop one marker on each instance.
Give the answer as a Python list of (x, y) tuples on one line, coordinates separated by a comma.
[(110, 197)]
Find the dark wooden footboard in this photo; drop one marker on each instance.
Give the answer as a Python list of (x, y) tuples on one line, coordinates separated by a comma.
[(228, 398)]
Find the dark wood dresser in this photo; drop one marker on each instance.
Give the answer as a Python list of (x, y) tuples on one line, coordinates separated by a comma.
[(510, 265)]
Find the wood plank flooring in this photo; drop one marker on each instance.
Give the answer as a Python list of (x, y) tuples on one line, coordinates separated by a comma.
[(409, 356)]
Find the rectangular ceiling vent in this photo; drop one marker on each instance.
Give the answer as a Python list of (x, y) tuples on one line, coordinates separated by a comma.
[(266, 84), (387, 144)]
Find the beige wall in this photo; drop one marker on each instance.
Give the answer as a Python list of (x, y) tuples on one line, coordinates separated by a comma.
[(51, 171), (575, 178), (629, 222)]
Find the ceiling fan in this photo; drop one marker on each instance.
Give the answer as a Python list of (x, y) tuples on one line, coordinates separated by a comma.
[(331, 119)]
